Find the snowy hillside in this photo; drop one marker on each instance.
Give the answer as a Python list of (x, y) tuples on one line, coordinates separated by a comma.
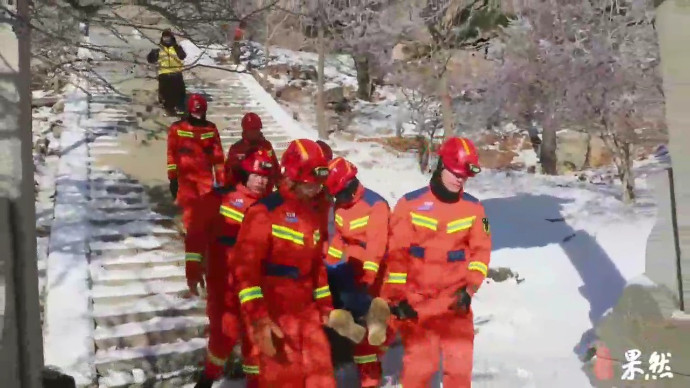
[(573, 244)]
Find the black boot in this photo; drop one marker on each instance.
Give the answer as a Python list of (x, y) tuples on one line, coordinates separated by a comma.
[(204, 382)]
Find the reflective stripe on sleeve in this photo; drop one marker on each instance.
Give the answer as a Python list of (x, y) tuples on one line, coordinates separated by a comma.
[(322, 292), (479, 267), (250, 293), (191, 256), (397, 278)]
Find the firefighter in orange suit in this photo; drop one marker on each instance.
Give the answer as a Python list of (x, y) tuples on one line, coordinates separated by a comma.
[(213, 230), (195, 157), (252, 138), (355, 262), (279, 270), (439, 251)]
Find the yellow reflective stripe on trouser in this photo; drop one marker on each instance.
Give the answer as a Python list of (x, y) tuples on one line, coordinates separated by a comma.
[(181, 133), (369, 358), (288, 234), (424, 222), (460, 224), (250, 293), (370, 266), (172, 167), (231, 213), (339, 220), (335, 253), (207, 135), (214, 359), (322, 292), (250, 369), (479, 267), (397, 278), (359, 223), (191, 256)]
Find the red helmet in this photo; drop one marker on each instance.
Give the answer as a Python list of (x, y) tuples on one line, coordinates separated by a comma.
[(196, 105), (341, 172), (304, 161), (257, 162), (251, 122), (459, 156), (327, 150)]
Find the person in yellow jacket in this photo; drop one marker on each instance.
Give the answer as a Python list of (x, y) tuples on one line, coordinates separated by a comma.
[(171, 88)]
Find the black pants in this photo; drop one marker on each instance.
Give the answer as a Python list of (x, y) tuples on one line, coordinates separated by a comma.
[(171, 90)]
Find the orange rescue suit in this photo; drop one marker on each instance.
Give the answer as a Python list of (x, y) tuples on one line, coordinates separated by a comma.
[(280, 273), (215, 224), (360, 241), (195, 157), (239, 150), (435, 249)]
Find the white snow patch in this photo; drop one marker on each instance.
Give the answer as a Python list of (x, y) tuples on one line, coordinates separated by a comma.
[(144, 242), (142, 258), (152, 325), (68, 326), (99, 274), (142, 288), (151, 303), (104, 356)]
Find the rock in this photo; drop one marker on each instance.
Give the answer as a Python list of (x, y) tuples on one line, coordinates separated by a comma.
[(278, 70), (53, 378), (599, 153), (58, 107), (291, 93), (572, 149), (303, 72), (495, 159), (334, 95), (44, 101)]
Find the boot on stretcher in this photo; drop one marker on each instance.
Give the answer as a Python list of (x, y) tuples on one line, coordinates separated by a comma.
[(344, 324), (377, 321)]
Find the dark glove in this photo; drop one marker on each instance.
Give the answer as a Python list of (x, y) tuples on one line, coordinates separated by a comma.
[(173, 188), (462, 302), (403, 311)]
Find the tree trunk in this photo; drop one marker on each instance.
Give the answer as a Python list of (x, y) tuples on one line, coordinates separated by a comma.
[(625, 172), (549, 161), (365, 86), (21, 355), (446, 107), (320, 100)]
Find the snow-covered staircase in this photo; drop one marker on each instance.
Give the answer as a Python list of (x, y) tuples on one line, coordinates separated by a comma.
[(131, 321), (229, 100), (147, 328)]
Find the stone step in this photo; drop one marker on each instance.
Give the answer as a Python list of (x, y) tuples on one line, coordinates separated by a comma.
[(133, 228), (138, 378), (126, 216), (156, 359), (155, 331), (109, 295), (146, 308), (140, 261), (110, 277), (134, 245)]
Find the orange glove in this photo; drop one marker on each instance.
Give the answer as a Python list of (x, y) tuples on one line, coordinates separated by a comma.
[(194, 271), (263, 331)]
